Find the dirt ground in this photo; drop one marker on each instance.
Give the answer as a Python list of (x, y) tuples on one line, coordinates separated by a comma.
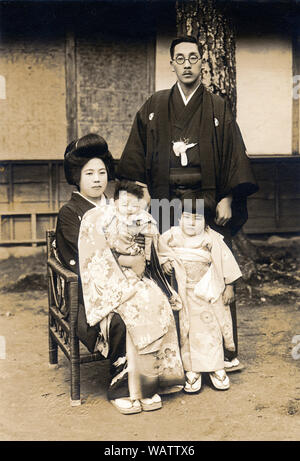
[(263, 402)]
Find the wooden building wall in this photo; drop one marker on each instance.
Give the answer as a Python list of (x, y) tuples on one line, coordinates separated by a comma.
[(67, 74), (275, 208), (32, 62), (69, 69), (31, 194)]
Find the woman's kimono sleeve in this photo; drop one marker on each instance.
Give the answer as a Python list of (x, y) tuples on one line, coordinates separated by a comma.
[(67, 231)]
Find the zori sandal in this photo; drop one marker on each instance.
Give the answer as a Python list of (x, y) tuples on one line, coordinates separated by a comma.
[(193, 382), (233, 365), (220, 380), (127, 406), (150, 404), (170, 389)]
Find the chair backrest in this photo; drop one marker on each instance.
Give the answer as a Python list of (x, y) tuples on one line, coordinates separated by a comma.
[(57, 291), (50, 238)]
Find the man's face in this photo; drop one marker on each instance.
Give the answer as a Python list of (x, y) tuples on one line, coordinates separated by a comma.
[(187, 74)]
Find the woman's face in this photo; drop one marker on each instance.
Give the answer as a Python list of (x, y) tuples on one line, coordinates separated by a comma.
[(93, 179), (192, 224)]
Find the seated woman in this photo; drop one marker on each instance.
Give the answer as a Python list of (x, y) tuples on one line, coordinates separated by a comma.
[(88, 165)]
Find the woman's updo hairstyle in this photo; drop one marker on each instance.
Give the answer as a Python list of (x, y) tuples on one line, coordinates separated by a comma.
[(80, 151)]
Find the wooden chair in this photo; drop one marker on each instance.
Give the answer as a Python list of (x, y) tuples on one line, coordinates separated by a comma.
[(63, 311)]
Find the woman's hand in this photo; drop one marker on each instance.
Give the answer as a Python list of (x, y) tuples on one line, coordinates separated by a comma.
[(228, 294), (167, 267), (223, 211), (137, 263)]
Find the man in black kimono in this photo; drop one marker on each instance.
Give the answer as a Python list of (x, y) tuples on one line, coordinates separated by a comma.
[(186, 138)]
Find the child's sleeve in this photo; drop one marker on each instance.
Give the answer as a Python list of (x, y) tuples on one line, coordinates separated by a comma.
[(164, 251), (231, 270)]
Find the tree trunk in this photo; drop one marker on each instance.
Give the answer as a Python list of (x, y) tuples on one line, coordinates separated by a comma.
[(211, 25)]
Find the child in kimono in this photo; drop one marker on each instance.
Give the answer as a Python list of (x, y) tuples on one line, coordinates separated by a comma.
[(130, 217), (205, 271)]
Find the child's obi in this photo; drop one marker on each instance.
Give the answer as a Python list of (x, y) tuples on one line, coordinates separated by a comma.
[(201, 274), (210, 287)]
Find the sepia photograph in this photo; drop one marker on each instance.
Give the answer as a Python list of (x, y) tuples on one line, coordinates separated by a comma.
[(150, 223)]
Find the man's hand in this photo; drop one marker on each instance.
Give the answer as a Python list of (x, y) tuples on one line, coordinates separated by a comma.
[(167, 267), (223, 211), (228, 294)]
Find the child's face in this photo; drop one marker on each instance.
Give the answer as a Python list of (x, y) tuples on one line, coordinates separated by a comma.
[(192, 224), (128, 204)]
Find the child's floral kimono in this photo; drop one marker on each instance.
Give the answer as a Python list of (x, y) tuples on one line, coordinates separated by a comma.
[(142, 223), (203, 264), (154, 362)]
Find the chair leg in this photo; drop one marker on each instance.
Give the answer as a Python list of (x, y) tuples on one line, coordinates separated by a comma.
[(72, 290), (53, 358), (75, 382)]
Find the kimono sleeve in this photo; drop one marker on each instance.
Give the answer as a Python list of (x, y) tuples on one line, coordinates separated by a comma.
[(67, 232), (132, 164), (231, 270), (237, 175), (165, 253)]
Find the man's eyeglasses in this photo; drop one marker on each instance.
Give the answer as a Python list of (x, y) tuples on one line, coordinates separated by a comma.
[(193, 59)]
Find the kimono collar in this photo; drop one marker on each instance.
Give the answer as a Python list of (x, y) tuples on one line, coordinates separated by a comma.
[(103, 201), (184, 98)]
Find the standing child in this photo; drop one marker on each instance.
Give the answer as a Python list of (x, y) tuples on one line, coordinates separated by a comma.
[(205, 271)]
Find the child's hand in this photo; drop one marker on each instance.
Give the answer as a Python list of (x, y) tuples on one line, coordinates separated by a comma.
[(167, 267), (228, 294), (137, 263), (140, 240)]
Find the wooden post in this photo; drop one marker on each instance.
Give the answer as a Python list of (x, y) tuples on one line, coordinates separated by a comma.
[(71, 86), (33, 229), (10, 200)]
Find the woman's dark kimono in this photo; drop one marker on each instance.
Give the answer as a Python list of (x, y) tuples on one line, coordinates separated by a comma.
[(67, 232)]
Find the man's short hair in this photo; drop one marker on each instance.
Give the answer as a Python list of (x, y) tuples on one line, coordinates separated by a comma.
[(184, 39)]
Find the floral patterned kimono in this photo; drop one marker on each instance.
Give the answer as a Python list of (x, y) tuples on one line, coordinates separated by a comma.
[(203, 264), (153, 356), (115, 224)]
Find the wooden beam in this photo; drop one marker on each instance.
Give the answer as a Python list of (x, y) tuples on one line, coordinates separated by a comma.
[(71, 85), (151, 68), (296, 92)]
